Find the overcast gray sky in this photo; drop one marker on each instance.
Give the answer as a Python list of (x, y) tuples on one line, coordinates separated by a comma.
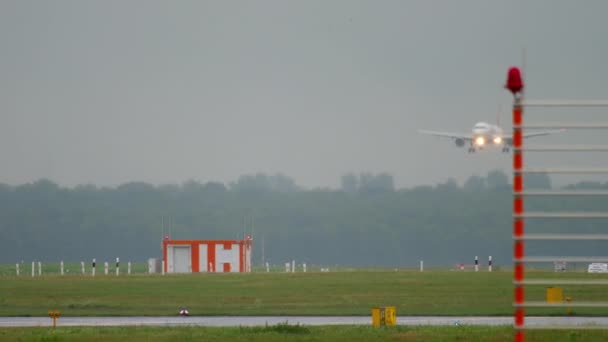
[(107, 92)]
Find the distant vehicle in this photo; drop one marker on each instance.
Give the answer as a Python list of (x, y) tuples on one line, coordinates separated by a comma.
[(597, 268), (559, 266), (485, 134)]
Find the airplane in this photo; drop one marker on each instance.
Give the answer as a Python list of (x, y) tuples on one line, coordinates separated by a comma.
[(484, 134)]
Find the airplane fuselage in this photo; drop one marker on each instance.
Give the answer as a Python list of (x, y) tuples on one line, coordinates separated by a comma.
[(486, 134)]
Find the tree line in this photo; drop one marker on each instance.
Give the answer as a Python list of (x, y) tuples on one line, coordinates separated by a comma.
[(366, 222)]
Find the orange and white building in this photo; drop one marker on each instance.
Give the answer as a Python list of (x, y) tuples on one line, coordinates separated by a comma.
[(193, 256)]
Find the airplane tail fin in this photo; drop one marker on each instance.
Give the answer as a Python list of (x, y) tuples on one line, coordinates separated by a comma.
[(498, 115)]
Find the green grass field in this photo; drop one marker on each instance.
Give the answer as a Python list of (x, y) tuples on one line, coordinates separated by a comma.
[(334, 293), (436, 292), (291, 333)]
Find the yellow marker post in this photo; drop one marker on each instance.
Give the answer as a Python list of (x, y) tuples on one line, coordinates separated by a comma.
[(384, 316), (568, 308), (54, 315), (390, 316), (376, 319), (555, 295)]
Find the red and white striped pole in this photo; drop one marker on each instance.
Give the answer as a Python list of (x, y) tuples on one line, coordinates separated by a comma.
[(515, 85)]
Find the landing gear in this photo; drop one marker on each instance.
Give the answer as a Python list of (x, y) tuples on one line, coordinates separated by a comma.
[(505, 149), (471, 149)]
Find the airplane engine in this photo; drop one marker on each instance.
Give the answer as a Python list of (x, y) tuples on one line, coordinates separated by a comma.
[(459, 142)]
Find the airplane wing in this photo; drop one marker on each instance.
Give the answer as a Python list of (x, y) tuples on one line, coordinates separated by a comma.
[(466, 137), (535, 134)]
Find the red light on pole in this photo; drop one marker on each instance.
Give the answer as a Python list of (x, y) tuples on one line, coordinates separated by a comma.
[(514, 81)]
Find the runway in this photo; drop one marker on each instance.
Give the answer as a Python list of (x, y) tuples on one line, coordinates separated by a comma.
[(235, 321)]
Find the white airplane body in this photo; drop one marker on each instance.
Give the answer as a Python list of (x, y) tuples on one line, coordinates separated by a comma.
[(484, 134)]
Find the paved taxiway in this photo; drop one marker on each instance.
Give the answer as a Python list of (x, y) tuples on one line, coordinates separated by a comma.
[(235, 321)]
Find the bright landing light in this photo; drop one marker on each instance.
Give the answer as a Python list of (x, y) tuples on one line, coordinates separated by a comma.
[(497, 140), (480, 141)]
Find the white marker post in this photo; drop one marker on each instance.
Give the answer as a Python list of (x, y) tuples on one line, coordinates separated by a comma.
[(476, 264), (39, 268), (17, 268), (61, 267), (117, 266), (304, 267), (82, 267), (293, 266), (421, 265), (162, 268), (93, 267), (106, 267), (490, 263), (33, 269), (129, 267), (267, 267), (287, 265)]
